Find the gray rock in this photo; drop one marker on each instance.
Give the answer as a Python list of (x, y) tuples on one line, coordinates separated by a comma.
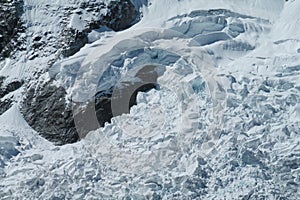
[(10, 88), (10, 26), (5, 105), (121, 15), (45, 110)]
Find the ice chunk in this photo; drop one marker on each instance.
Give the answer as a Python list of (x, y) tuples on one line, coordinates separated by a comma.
[(202, 40)]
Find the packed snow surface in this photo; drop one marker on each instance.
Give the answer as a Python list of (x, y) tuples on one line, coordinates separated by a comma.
[(224, 123)]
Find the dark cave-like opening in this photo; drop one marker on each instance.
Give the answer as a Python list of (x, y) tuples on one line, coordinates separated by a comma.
[(119, 99)]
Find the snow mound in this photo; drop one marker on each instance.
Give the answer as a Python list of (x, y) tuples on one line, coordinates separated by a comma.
[(12, 118), (224, 123)]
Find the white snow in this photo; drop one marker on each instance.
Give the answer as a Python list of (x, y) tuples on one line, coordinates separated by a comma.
[(229, 94), (13, 119)]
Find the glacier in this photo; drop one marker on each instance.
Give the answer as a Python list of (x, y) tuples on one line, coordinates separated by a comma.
[(223, 123)]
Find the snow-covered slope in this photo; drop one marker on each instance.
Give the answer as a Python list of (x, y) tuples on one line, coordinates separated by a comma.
[(50, 32), (223, 123)]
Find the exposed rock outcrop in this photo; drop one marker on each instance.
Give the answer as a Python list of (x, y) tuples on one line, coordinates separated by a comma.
[(47, 112), (10, 87), (6, 89), (10, 25), (45, 107), (121, 15)]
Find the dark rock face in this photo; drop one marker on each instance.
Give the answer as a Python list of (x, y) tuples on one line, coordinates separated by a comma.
[(121, 15), (4, 106), (10, 88), (75, 41), (4, 90), (45, 110), (1, 81), (10, 25)]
